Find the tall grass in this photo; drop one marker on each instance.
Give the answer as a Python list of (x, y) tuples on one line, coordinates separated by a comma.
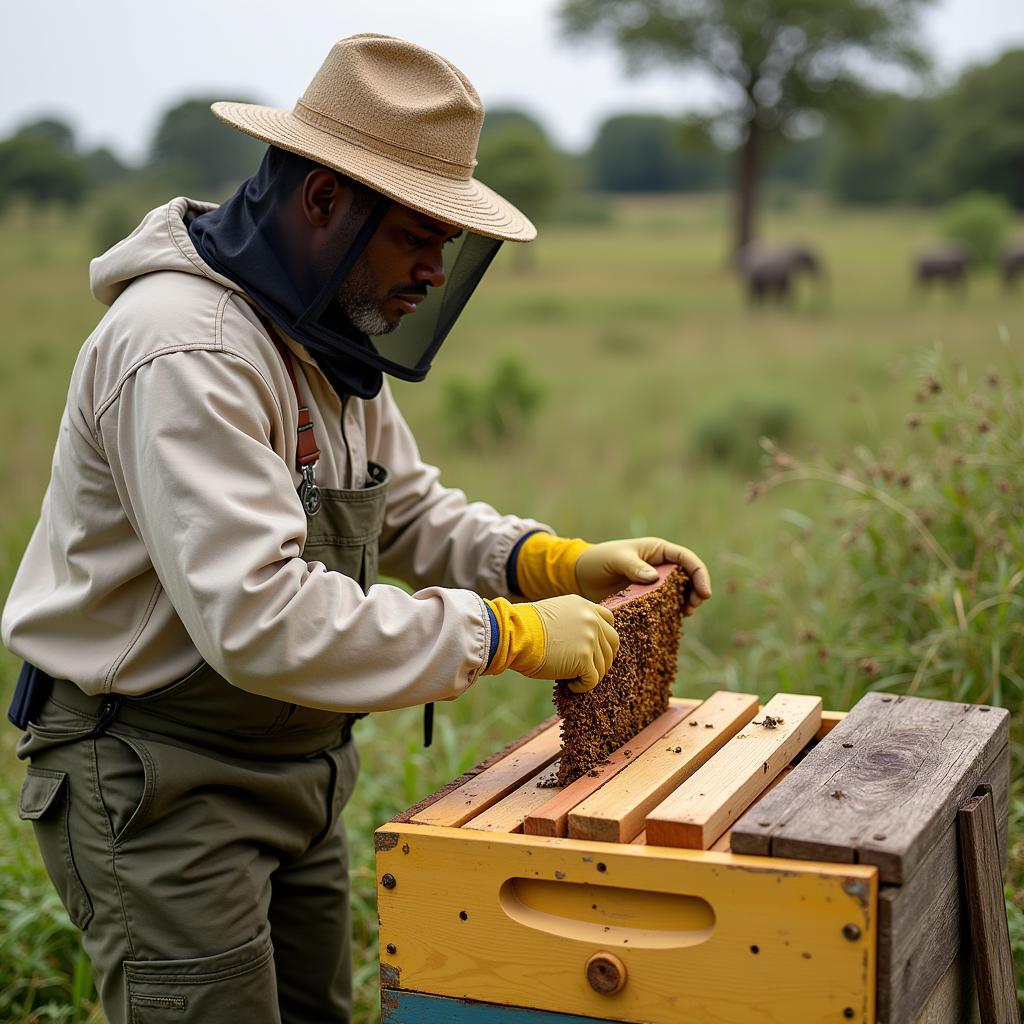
[(638, 338)]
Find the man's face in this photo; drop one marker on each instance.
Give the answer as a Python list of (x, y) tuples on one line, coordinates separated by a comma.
[(390, 278)]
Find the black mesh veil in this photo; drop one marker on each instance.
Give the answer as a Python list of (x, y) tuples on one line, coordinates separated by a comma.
[(407, 351), (294, 272)]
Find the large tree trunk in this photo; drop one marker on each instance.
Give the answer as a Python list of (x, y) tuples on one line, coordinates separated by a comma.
[(747, 168)]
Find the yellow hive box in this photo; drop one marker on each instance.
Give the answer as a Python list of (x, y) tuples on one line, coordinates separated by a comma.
[(477, 916)]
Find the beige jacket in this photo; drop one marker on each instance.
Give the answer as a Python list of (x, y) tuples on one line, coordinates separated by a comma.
[(171, 530)]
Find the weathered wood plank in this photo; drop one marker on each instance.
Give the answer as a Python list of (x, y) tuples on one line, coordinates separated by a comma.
[(704, 806), (489, 786), (616, 812), (952, 1001), (723, 843), (986, 907), (508, 813), (552, 817), (881, 787), (919, 922)]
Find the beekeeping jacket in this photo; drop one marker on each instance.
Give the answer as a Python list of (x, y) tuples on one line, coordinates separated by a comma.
[(171, 530)]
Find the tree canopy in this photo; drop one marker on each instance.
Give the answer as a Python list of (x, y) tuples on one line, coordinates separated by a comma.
[(201, 151), (516, 160), (779, 63), (982, 146), (645, 153)]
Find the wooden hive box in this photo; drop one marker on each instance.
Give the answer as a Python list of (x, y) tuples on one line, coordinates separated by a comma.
[(625, 897)]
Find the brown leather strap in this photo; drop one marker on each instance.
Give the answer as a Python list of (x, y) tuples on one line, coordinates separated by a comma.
[(306, 451)]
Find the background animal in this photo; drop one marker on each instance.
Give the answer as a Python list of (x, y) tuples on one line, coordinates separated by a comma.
[(947, 263), (769, 271), (1013, 262)]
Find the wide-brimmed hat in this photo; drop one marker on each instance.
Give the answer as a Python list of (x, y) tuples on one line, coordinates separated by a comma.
[(398, 118)]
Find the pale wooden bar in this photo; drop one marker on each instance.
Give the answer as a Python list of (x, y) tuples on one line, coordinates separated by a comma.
[(551, 818), (616, 812), (489, 786), (704, 806)]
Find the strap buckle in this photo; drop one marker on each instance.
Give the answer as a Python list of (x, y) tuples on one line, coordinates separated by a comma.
[(309, 491)]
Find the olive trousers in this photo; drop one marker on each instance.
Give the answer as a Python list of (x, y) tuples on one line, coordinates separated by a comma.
[(208, 887)]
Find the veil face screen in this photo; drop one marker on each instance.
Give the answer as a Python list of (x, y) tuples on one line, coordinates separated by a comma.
[(419, 334)]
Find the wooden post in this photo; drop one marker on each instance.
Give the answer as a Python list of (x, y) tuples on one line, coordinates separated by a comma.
[(986, 907)]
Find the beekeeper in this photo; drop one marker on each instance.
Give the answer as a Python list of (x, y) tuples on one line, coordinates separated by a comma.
[(196, 607)]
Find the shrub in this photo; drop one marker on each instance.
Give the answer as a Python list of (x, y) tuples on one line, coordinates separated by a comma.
[(913, 579), (730, 435), (979, 221), (496, 409)]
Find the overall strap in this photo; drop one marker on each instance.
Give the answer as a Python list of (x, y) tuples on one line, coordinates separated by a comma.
[(306, 451)]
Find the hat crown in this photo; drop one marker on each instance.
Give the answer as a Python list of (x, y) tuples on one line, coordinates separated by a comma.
[(387, 94)]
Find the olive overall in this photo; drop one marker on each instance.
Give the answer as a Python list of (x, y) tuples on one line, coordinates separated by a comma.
[(194, 834)]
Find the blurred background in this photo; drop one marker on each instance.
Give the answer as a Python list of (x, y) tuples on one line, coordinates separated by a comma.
[(775, 313)]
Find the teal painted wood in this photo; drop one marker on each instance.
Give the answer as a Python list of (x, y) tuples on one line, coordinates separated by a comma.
[(416, 1008)]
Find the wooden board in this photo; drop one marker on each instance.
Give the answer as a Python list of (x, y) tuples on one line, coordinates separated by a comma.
[(616, 812), (920, 922), (903, 765), (986, 906), (410, 812), (551, 818), (512, 920), (952, 1001), (508, 813), (723, 844), (489, 786), (704, 806)]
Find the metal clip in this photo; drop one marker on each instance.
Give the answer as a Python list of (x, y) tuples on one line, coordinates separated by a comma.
[(309, 492)]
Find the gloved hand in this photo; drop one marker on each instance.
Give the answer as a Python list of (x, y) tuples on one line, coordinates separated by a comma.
[(558, 638), (603, 569)]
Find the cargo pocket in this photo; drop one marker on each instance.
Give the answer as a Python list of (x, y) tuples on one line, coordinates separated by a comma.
[(45, 800), (239, 984)]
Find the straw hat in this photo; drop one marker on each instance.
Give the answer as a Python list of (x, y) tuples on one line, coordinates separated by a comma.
[(398, 118)]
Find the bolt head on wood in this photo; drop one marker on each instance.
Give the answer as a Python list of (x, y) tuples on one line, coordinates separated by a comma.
[(388, 880), (606, 973), (851, 932)]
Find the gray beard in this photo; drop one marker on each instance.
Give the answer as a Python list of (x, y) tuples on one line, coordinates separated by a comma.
[(366, 317), (359, 300)]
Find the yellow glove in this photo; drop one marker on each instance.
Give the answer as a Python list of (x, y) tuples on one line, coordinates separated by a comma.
[(559, 638), (603, 569)]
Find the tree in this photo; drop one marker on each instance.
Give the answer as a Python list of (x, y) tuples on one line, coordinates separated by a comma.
[(982, 145), (52, 130), (781, 63), (34, 168), (893, 161), (200, 151), (519, 162), (499, 119), (643, 153), (104, 166)]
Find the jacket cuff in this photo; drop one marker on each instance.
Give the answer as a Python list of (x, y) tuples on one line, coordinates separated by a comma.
[(521, 640), (546, 566), (495, 634)]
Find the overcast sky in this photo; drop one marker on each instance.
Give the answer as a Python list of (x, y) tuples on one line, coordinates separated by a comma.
[(110, 67)]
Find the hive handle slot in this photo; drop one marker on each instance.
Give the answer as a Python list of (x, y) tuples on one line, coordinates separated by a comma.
[(609, 915)]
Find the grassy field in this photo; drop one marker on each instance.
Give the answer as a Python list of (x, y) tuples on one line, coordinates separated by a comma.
[(656, 383)]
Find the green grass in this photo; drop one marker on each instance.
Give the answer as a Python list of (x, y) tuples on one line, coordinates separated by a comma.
[(641, 341)]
